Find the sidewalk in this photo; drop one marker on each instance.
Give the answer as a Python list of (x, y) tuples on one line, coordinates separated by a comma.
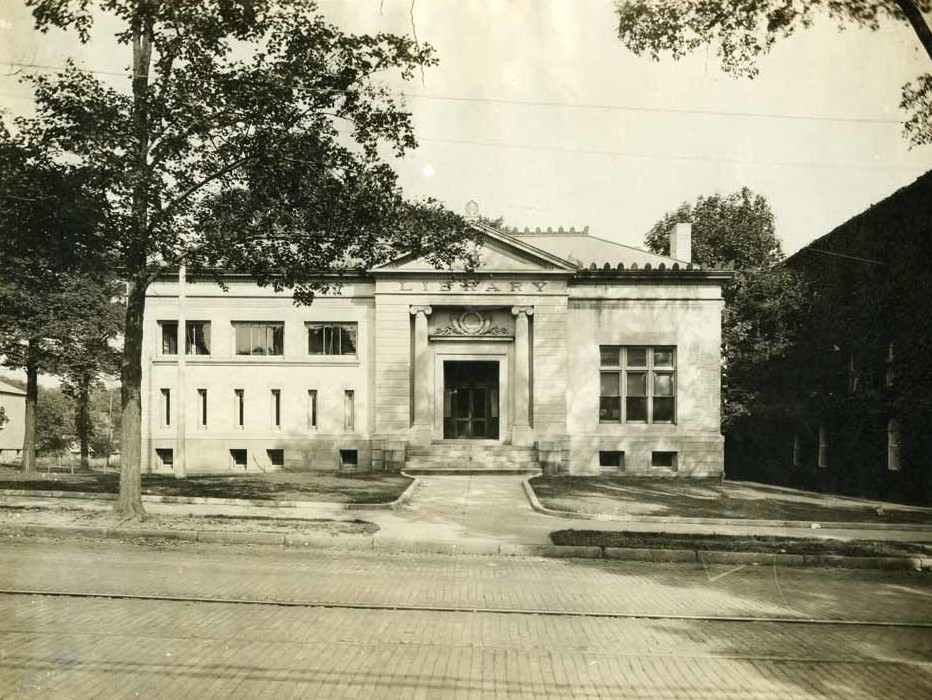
[(479, 512)]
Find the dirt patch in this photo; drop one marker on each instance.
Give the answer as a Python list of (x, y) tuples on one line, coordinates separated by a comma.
[(321, 487), (105, 518), (708, 498), (728, 543)]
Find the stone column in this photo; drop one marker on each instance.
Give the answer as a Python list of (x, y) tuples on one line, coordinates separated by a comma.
[(521, 397), (423, 395)]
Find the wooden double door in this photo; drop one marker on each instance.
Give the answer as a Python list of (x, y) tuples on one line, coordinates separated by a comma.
[(470, 400)]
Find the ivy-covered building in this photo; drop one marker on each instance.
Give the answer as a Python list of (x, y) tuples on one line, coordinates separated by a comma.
[(853, 409)]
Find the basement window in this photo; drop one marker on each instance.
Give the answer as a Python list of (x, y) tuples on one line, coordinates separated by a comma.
[(166, 457), (349, 458), (611, 460), (276, 457), (239, 458), (663, 460)]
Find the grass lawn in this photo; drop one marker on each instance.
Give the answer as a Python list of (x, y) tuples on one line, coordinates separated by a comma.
[(708, 498), (328, 487), (729, 543)]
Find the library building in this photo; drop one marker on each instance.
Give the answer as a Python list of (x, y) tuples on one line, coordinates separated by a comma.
[(561, 351)]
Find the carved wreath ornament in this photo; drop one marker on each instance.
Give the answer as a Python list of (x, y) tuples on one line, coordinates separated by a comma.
[(471, 323)]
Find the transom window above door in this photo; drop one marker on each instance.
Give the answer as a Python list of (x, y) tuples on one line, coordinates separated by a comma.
[(331, 338), (637, 384)]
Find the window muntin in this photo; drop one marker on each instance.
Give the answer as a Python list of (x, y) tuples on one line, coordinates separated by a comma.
[(197, 337), (169, 333), (260, 337), (331, 338), (645, 377)]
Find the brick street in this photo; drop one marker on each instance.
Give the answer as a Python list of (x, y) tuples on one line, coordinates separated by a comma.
[(56, 647)]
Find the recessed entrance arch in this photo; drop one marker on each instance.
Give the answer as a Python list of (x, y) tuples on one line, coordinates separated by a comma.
[(471, 399)]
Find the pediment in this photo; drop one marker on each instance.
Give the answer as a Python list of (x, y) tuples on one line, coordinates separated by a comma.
[(496, 252)]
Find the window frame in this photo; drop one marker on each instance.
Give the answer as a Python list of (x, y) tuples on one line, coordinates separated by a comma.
[(268, 326), (650, 371), (350, 327)]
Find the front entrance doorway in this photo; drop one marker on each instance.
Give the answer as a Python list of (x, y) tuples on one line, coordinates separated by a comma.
[(470, 400)]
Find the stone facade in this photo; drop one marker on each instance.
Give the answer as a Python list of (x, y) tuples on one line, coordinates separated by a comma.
[(594, 355)]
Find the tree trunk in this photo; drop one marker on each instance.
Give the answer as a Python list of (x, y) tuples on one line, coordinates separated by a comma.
[(129, 504), (84, 422), (32, 400)]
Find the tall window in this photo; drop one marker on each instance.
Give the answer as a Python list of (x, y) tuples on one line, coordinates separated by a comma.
[(260, 338), (239, 407), (169, 332), (893, 445), (166, 407), (645, 377), (312, 408), (202, 406), (277, 408), (349, 410), (197, 337), (331, 338)]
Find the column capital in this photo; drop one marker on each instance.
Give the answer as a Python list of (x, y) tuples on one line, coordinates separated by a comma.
[(518, 310), (422, 309)]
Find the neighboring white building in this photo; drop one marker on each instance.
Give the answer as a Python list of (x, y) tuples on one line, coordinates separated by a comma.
[(12, 434), (561, 349)]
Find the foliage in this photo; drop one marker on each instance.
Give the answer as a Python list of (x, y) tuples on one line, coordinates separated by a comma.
[(763, 301), (55, 425), (3, 417), (251, 138), (104, 417), (741, 31)]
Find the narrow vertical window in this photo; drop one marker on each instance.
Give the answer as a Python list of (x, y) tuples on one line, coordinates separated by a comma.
[(893, 445), (240, 407), (166, 407), (312, 408), (202, 406), (797, 457), (349, 410), (277, 408), (888, 368), (823, 447)]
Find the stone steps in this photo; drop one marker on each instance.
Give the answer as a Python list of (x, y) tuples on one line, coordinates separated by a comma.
[(471, 458)]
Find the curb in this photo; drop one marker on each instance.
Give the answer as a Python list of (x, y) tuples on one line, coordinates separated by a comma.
[(211, 501), (375, 543), (724, 522)]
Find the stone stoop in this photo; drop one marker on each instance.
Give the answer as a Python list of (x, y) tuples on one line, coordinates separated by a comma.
[(459, 457)]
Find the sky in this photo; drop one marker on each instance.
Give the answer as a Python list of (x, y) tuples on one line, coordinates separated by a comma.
[(539, 114)]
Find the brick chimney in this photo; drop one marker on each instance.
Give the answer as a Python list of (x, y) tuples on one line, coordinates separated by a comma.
[(681, 242)]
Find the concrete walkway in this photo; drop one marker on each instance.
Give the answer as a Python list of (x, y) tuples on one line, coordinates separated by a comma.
[(483, 509)]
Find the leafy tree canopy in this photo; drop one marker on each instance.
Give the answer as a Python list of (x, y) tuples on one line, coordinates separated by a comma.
[(740, 31), (764, 300), (251, 135)]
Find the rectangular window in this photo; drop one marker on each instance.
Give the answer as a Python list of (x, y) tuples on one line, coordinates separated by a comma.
[(888, 368), (823, 447), (276, 457), (349, 410), (645, 377), (312, 408), (260, 338), (893, 445), (663, 460), (169, 332), (349, 458), (197, 337), (239, 458), (611, 460), (797, 452), (240, 407), (202, 406), (331, 338), (277, 408), (166, 407), (166, 457)]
